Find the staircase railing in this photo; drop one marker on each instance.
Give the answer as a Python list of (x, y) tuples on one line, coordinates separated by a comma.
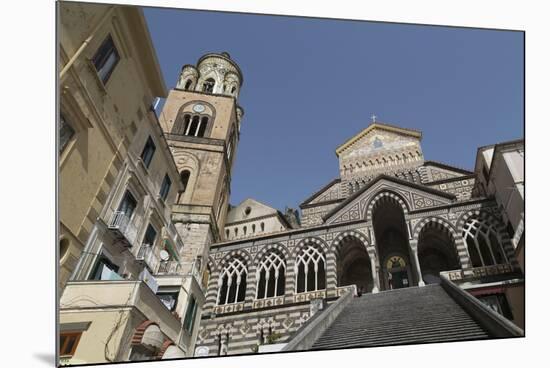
[(313, 329), (495, 324)]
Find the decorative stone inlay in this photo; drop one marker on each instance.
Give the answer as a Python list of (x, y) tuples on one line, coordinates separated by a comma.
[(237, 307), (303, 297), (269, 302), (476, 273)]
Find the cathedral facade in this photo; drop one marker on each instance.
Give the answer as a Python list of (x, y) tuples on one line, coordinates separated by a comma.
[(390, 220)]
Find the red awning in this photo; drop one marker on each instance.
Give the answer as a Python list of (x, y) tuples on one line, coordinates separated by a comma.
[(487, 291)]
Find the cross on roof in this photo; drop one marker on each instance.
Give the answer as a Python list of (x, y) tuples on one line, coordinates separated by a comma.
[(373, 117)]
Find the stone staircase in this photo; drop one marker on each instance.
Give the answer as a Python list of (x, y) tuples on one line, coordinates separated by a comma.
[(403, 316)]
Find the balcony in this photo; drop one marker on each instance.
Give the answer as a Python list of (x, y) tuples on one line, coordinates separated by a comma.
[(123, 230), (147, 256)]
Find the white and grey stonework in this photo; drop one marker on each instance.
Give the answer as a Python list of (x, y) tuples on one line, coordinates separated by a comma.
[(391, 219)]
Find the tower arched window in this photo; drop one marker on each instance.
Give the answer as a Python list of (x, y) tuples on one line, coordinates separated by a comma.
[(188, 85), (202, 126), (181, 125), (484, 246), (208, 85), (233, 89), (310, 265), (232, 282), (271, 276), (184, 175)]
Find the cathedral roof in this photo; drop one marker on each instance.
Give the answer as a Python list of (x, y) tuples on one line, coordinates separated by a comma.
[(389, 178), (378, 126), (319, 192)]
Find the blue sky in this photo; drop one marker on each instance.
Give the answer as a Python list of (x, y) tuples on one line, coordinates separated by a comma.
[(311, 84)]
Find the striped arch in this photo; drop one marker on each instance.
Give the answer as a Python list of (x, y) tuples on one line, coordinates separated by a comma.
[(501, 232), (212, 264), (277, 246), (252, 286), (291, 285), (382, 197), (460, 247), (334, 253), (305, 242), (434, 219), (235, 253), (336, 243)]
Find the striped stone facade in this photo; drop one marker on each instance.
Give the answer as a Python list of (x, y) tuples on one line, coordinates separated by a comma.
[(238, 328)]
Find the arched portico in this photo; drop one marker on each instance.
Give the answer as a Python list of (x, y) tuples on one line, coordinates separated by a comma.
[(436, 251), (354, 265), (399, 263)]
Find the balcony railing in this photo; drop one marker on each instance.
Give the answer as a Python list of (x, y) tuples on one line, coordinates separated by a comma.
[(147, 256), (123, 229), (179, 268), (169, 268)]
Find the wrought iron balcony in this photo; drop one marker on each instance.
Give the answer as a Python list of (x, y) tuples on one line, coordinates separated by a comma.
[(122, 228)]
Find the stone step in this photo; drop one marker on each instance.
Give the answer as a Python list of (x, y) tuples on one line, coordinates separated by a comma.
[(409, 315)]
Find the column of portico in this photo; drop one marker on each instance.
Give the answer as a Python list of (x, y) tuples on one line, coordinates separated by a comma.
[(374, 261), (413, 245), (375, 268)]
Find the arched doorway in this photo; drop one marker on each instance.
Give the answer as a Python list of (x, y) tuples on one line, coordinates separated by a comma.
[(353, 266), (392, 242), (436, 252)]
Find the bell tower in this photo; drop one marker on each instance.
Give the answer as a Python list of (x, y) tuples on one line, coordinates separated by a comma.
[(201, 120)]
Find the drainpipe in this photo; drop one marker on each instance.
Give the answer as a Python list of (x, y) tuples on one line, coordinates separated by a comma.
[(86, 42)]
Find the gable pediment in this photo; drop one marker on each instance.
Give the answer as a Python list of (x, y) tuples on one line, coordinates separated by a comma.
[(415, 197), (376, 138)]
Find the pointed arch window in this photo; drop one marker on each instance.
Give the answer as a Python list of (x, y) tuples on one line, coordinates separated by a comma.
[(271, 276), (187, 85), (310, 266), (208, 85), (232, 282), (484, 246)]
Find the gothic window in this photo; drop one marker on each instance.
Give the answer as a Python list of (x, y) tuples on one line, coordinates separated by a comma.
[(253, 228), (233, 90), (236, 231), (227, 233), (310, 265), (271, 276), (232, 283), (184, 175), (244, 230), (483, 244), (208, 85), (262, 226), (187, 85)]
